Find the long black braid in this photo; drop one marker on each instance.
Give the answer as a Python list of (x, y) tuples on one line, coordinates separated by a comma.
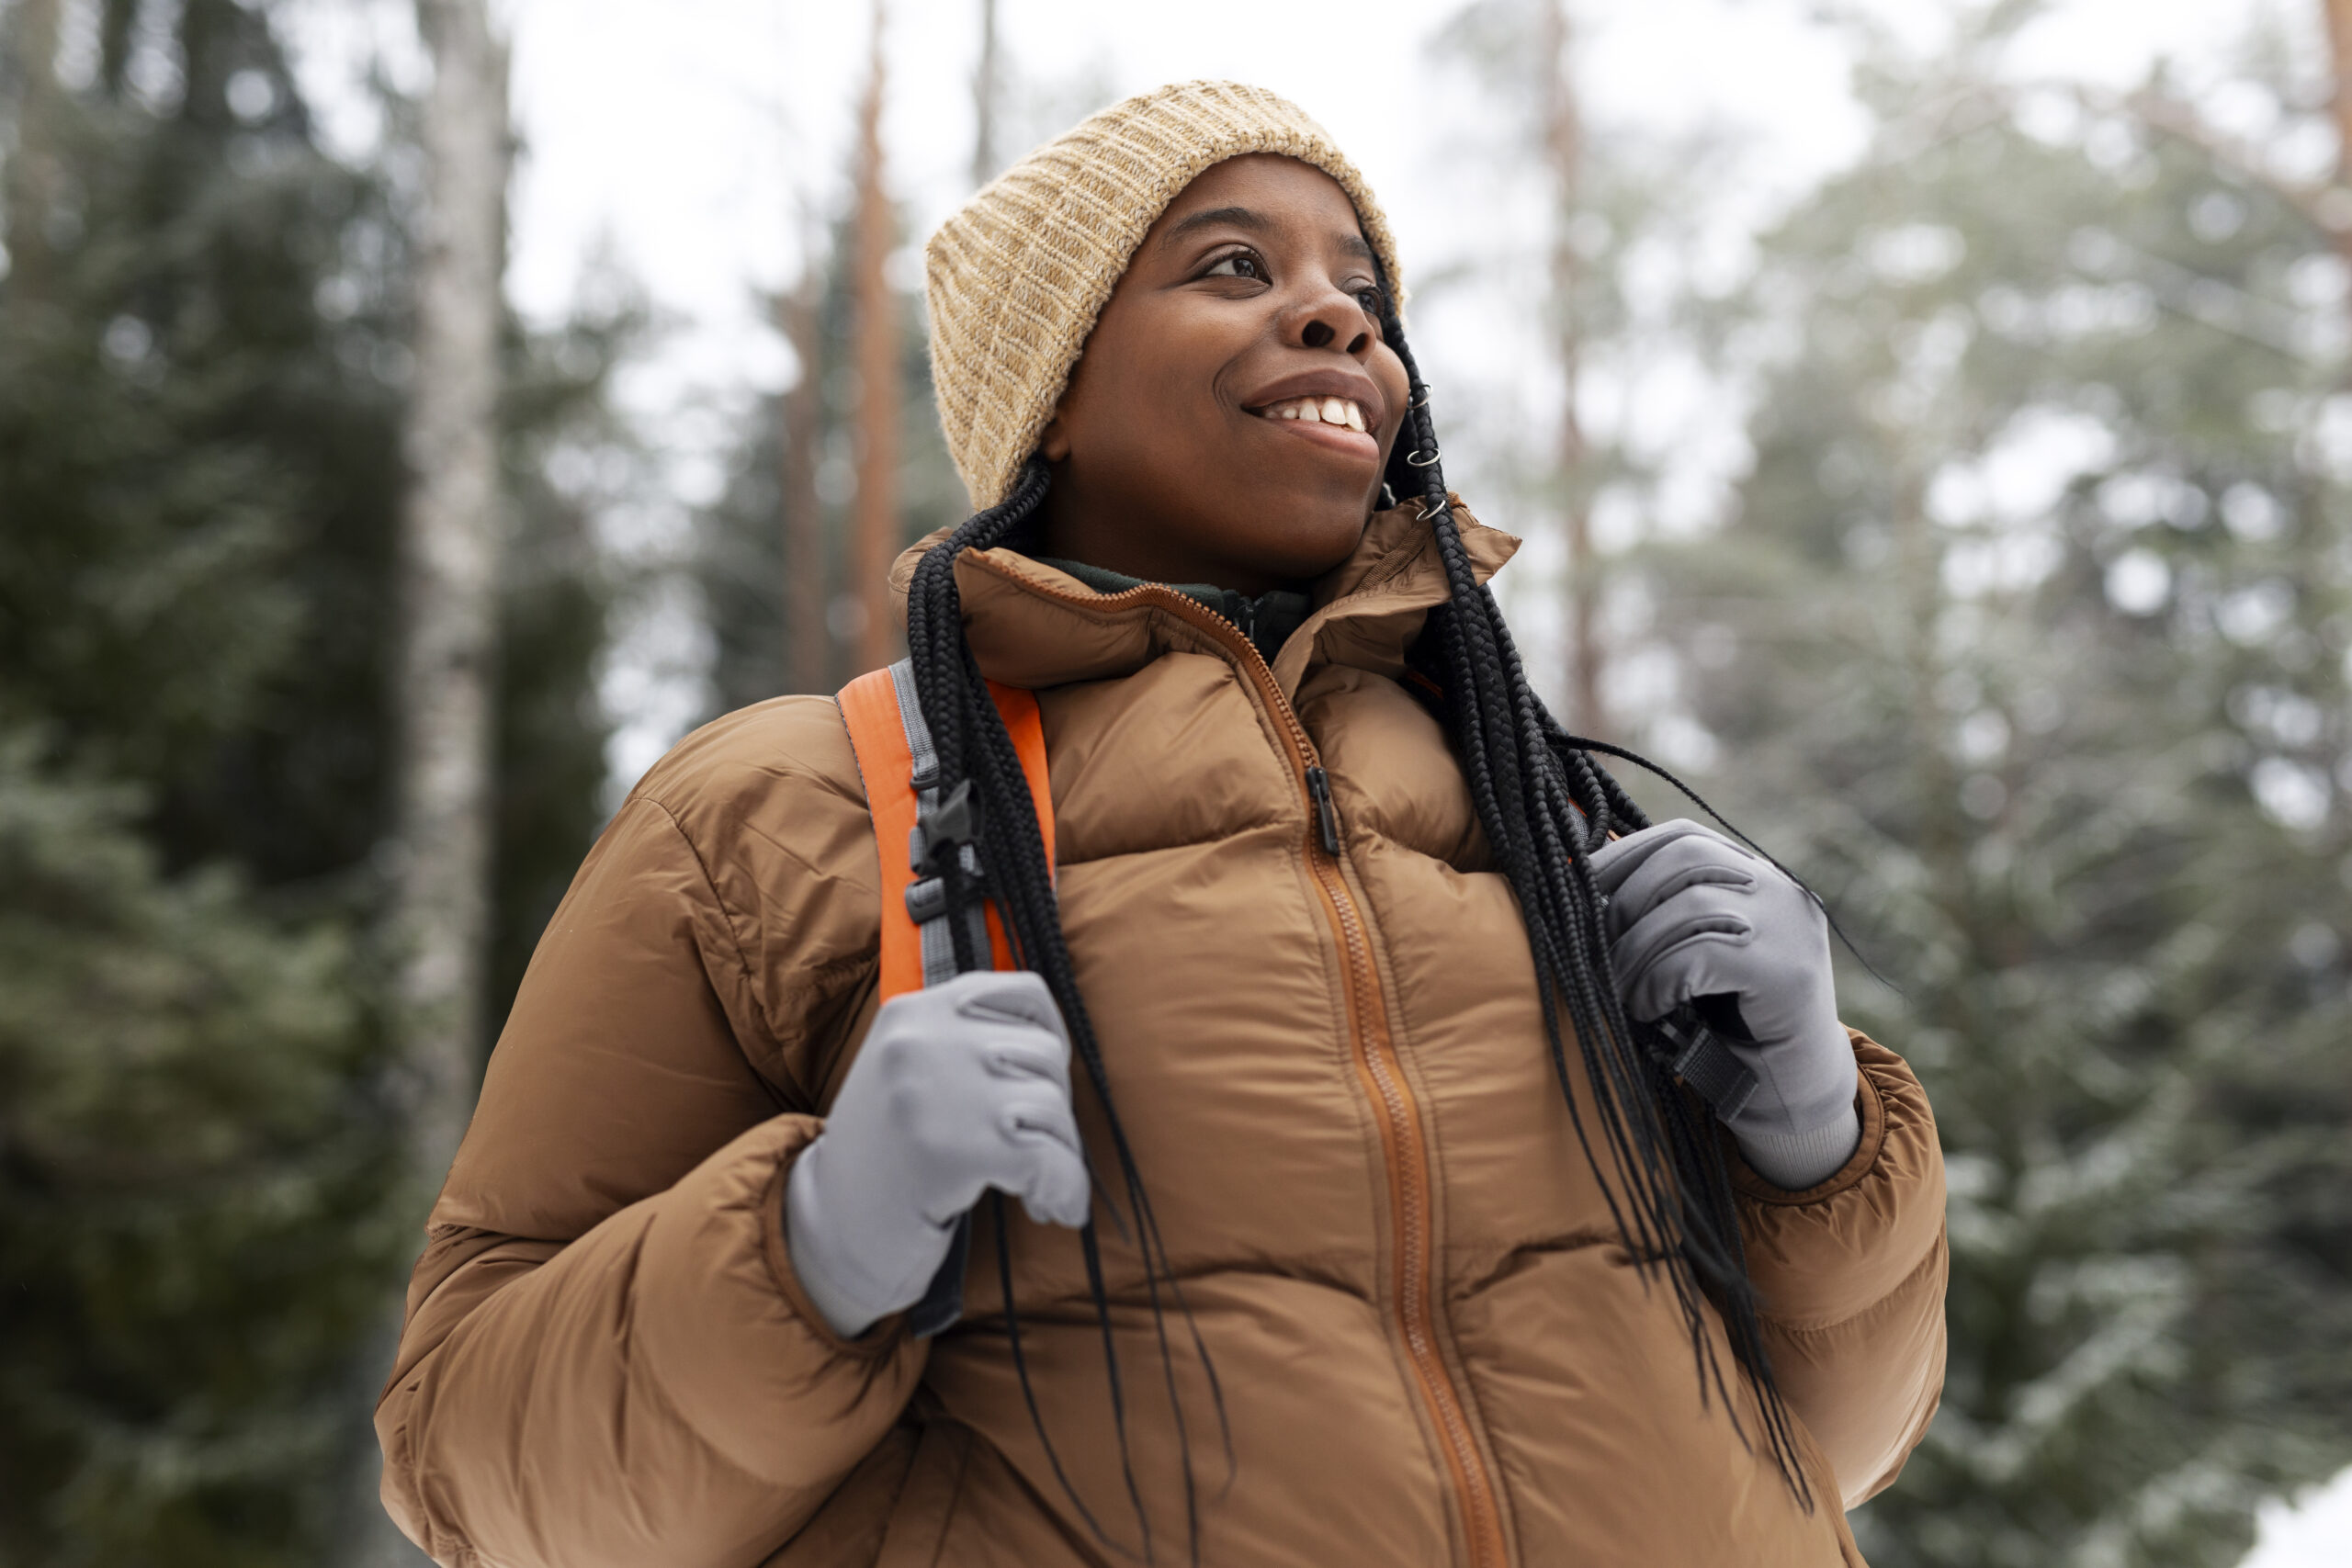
[(1545, 804), (974, 744)]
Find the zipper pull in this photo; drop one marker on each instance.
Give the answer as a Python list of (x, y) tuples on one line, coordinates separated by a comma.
[(1319, 786)]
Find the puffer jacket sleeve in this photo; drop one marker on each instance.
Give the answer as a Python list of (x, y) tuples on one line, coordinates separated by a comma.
[(1851, 1275), (607, 1358)]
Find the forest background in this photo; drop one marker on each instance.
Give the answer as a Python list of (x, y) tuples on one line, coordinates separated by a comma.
[(1933, 433)]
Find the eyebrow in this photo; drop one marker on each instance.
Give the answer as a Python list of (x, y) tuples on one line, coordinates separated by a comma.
[(1232, 217), (1256, 222)]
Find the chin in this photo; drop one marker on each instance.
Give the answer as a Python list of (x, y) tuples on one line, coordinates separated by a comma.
[(1312, 545), (1284, 524)]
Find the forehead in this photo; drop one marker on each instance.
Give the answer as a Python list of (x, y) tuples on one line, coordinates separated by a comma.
[(1272, 189)]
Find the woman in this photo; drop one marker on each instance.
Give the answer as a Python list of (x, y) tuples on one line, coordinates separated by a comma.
[(1375, 1231)]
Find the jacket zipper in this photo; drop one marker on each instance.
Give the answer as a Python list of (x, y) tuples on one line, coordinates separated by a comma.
[(1377, 1064), (1318, 788)]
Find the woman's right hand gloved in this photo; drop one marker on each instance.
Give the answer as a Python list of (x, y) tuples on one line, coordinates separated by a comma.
[(959, 1088)]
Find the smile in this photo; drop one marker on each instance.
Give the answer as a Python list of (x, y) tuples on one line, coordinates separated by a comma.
[(1341, 411)]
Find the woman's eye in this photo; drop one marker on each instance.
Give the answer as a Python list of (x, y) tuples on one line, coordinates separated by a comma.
[(1369, 298), (1242, 264)]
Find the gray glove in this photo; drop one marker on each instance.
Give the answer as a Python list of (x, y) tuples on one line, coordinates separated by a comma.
[(1692, 915), (959, 1088)]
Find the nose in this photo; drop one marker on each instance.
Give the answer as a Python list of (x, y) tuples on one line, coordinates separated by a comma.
[(1330, 318)]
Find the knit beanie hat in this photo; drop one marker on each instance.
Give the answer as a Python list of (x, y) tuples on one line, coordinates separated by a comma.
[(1016, 278)]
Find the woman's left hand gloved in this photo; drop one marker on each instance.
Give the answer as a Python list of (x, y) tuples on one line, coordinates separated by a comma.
[(1692, 915)]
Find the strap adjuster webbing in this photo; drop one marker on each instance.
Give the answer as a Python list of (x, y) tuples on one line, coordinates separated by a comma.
[(900, 765), (1706, 1064)]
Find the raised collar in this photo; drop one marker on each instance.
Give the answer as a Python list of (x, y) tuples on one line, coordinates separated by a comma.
[(1032, 625), (1267, 619)]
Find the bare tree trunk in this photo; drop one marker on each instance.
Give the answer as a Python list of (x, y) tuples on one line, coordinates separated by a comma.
[(880, 395), (1564, 150), (449, 550), (808, 644), (984, 92), (32, 166), (2339, 38), (1938, 834), (448, 585)]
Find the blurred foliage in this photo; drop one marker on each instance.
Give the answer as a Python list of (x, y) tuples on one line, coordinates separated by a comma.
[(202, 358), (569, 454), (739, 563), (192, 1237), (1626, 203), (197, 418), (2029, 641)]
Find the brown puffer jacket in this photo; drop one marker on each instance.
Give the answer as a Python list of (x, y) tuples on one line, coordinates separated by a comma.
[(1431, 1347)]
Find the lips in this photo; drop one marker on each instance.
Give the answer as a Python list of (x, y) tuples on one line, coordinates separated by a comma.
[(1344, 412), (1335, 408)]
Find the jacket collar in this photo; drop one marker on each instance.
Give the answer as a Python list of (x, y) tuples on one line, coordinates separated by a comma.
[(1032, 625)]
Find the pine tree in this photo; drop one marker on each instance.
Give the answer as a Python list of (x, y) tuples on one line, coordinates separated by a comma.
[(201, 380), (2028, 642), (192, 1237), (799, 427), (786, 511), (187, 442), (876, 325), (1570, 290), (1564, 137), (568, 454)]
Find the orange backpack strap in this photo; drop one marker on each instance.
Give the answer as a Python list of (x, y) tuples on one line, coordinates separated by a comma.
[(895, 757)]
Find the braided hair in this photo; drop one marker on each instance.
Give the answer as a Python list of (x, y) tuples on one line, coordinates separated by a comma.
[(1545, 804)]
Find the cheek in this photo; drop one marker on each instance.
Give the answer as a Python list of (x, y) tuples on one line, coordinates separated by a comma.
[(1152, 385), (1390, 371)]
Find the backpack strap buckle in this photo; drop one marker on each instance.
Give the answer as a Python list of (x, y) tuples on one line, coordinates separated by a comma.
[(900, 767)]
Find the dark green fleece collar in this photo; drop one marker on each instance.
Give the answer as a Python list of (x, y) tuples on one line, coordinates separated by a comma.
[(1267, 620)]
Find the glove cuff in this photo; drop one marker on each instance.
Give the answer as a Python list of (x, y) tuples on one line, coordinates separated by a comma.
[(1795, 1161), (804, 1244)]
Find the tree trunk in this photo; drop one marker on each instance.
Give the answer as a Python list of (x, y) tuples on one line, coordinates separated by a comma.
[(449, 586), (2339, 38), (880, 396), (32, 166), (449, 549), (1564, 151), (808, 662), (984, 89)]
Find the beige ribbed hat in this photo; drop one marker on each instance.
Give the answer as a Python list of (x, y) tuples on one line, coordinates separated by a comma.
[(1017, 277)]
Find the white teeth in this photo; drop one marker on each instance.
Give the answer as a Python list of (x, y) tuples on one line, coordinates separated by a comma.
[(1341, 411)]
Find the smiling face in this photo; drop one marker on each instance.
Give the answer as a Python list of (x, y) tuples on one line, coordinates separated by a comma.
[(1233, 410)]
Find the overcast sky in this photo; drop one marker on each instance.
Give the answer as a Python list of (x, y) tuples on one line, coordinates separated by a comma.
[(689, 135), (684, 145)]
